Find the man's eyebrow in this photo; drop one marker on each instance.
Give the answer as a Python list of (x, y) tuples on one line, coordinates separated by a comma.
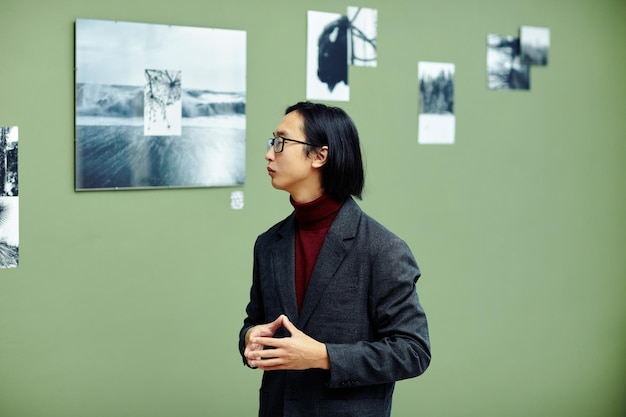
[(279, 133)]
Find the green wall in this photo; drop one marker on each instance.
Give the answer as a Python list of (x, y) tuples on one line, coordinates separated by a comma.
[(128, 303)]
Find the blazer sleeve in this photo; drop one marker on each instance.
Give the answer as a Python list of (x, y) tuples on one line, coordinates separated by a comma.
[(254, 309), (400, 347)]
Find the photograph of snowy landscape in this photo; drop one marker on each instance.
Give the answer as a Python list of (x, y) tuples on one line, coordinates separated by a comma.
[(436, 121), (159, 106), (535, 45)]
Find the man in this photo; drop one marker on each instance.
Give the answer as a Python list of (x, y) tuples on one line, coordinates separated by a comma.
[(334, 317)]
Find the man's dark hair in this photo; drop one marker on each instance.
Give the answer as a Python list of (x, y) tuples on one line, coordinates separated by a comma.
[(342, 174)]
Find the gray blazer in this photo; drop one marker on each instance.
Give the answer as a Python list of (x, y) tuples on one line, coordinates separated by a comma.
[(361, 302)]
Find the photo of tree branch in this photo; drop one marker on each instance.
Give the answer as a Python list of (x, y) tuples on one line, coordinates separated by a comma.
[(162, 103), (505, 70), (362, 37)]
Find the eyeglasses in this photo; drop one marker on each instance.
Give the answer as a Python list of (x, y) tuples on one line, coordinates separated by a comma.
[(278, 143)]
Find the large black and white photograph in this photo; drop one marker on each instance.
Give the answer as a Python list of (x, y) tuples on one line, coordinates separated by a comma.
[(327, 56), (159, 106), (505, 69), (362, 37), (535, 44), (436, 122), (9, 198)]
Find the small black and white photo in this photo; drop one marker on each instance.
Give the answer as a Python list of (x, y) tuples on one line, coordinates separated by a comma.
[(362, 37), (327, 56), (535, 45), (159, 106), (505, 70), (162, 105), (9, 198), (436, 123), (9, 232), (8, 161)]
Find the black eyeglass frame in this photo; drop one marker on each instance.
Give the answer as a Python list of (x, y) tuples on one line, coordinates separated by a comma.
[(271, 143)]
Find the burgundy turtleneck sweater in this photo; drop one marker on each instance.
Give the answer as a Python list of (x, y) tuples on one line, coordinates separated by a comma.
[(313, 221)]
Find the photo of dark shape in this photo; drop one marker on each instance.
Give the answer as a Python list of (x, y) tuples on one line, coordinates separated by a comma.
[(505, 70), (8, 161), (158, 106), (335, 42), (362, 37), (327, 57), (333, 53), (535, 44)]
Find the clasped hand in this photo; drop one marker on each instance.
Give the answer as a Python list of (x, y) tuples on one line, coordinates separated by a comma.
[(296, 352)]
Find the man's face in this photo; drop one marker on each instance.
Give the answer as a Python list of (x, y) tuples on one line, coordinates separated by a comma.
[(292, 170)]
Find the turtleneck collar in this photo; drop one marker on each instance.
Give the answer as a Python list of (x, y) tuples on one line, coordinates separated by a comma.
[(316, 214)]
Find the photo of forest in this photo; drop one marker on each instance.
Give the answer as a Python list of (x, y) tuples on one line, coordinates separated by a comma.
[(436, 123), (436, 86)]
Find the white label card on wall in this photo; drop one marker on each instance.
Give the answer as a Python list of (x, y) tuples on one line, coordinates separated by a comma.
[(236, 200)]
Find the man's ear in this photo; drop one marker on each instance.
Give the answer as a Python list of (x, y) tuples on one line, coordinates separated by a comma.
[(320, 157)]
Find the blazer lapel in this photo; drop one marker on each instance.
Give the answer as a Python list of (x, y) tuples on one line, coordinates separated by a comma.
[(333, 251), (284, 268)]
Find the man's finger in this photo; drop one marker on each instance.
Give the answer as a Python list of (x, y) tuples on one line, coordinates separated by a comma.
[(269, 341)]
